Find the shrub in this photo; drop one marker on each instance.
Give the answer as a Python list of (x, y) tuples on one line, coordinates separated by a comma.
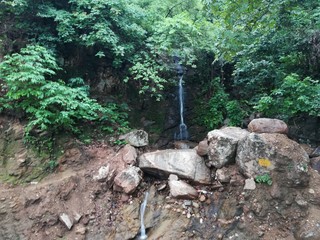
[(49, 104), (291, 98)]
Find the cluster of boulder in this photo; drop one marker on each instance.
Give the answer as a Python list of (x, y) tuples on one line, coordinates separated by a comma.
[(263, 148)]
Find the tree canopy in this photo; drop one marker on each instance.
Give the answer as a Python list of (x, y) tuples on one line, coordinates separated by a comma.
[(247, 55)]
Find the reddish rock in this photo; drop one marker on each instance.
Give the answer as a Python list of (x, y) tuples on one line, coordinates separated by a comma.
[(182, 190), (202, 148), (128, 180), (268, 125), (129, 154)]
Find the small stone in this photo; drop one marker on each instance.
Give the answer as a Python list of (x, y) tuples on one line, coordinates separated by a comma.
[(195, 204), (173, 177), (188, 215), (311, 191), (103, 173), (201, 220), (187, 202), (161, 187), (202, 198), (2, 199), (302, 203), (124, 197), (64, 218), (250, 184), (77, 217), (81, 230)]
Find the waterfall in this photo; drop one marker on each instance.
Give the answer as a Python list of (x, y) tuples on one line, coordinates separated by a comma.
[(142, 210), (183, 132)]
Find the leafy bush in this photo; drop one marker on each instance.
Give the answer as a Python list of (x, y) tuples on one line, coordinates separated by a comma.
[(265, 178), (50, 105), (291, 98), (211, 113)]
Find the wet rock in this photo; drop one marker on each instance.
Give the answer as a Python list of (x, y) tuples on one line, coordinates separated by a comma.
[(223, 145), (128, 180), (268, 125), (66, 220), (182, 190), (185, 163), (250, 184), (136, 138), (202, 148), (273, 153)]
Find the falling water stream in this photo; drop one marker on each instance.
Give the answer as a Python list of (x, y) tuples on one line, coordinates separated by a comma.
[(183, 132), (142, 210)]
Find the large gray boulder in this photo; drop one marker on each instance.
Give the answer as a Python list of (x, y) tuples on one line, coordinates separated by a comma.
[(185, 163), (276, 154), (136, 138), (223, 145), (268, 125)]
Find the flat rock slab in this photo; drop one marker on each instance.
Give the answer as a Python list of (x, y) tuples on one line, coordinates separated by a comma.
[(185, 163)]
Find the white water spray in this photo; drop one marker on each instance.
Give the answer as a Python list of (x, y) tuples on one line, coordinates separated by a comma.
[(142, 210), (183, 132)]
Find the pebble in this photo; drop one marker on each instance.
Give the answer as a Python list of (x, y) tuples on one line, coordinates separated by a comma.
[(311, 191), (195, 204), (202, 198), (188, 215), (2, 199), (201, 220), (81, 230), (161, 187)]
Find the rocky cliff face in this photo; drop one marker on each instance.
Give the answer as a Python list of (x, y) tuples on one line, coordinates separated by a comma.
[(87, 197)]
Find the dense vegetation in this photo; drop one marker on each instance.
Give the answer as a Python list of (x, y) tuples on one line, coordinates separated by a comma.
[(246, 56)]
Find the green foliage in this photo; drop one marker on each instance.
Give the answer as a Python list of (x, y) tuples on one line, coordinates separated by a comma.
[(119, 142), (265, 178), (146, 72), (212, 112), (49, 105), (235, 113), (293, 97)]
